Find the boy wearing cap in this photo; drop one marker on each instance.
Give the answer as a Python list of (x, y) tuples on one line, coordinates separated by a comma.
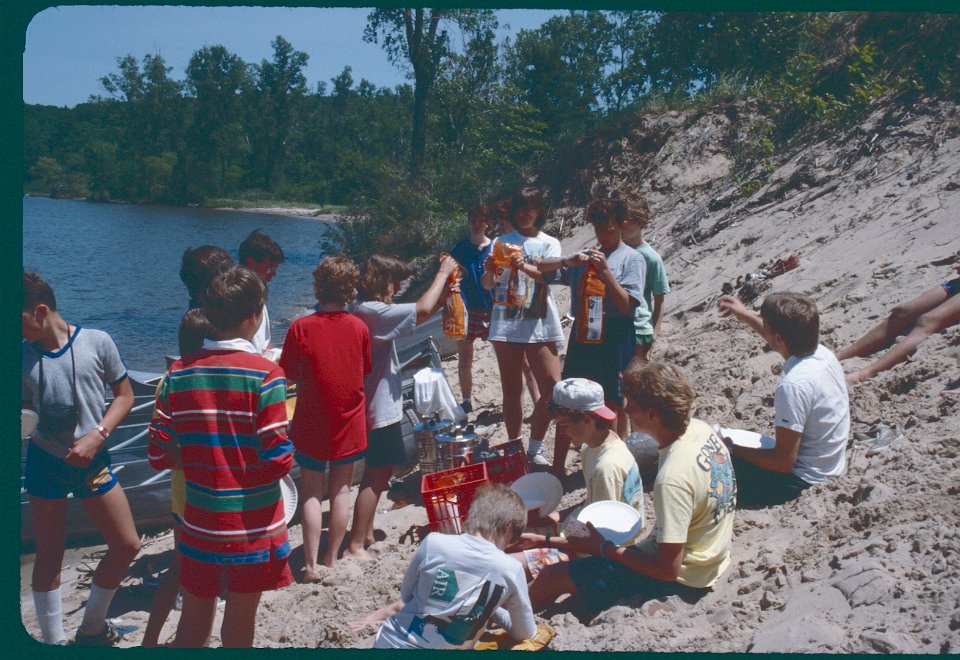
[(609, 469), (694, 498)]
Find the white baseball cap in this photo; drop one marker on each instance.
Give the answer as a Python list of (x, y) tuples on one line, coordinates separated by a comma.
[(582, 395)]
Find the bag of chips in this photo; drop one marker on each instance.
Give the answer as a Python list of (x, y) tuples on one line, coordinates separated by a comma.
[(590, 307)]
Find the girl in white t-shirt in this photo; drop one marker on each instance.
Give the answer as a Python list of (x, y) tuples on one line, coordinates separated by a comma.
[(531, 329)]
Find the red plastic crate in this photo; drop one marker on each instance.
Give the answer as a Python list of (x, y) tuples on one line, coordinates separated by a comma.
[(507, 469), (447, 496)]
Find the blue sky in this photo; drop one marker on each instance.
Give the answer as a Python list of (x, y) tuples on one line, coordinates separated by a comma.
[(68, 49)]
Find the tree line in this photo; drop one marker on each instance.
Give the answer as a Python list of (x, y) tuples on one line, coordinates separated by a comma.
[(477, 117)]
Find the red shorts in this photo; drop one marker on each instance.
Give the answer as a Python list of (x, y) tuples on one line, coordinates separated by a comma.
[(203, 579), (478, 323)]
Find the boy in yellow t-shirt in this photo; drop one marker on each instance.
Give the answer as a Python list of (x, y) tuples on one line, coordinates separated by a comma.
[(694, 498)]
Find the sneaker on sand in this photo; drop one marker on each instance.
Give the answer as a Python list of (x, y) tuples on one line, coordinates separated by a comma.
[(467, 407), (107, 637), (538, 459), (885, 438)]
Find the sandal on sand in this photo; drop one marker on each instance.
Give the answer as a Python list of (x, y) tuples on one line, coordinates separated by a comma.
[(781, 266)]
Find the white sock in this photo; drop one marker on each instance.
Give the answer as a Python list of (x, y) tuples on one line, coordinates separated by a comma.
[(50, 615), (95, 613), (535, 446)]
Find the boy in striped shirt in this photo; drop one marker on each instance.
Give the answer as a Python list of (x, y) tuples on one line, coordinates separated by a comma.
[(221, 417)]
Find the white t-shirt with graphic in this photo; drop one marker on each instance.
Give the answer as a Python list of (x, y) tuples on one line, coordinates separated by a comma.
[(535, 319), (454, 586)]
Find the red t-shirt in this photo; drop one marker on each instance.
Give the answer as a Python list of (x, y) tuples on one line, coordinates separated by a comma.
[(327, 355)]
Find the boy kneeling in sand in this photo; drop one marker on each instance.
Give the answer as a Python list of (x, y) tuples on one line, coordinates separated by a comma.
[(455, 584), (221, 417)]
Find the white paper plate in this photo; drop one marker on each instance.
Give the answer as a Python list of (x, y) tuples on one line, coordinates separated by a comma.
[(290, 497), (539, 490), (616, 521), (750, 439), (28, 422)]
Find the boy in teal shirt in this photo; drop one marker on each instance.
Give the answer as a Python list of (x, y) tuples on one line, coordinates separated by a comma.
[(648, 315)]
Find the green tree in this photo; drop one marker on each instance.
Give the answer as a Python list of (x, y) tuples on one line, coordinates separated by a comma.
[(415, 37), (216, 79), (277, 99)]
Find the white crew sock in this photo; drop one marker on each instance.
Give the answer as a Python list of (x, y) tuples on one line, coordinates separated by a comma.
[(50, 615), (95, 613), (535, 446)]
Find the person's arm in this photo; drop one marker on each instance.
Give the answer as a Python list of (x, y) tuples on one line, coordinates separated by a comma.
[(665, 565), (85, 448), (731, 305), (276, 450), (782, 457), (379, 616), (658, 299), (163, 448), (432, 298)]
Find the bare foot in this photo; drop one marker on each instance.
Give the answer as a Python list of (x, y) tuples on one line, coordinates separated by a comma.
[(359, 554), (311, 575), (855, 377)]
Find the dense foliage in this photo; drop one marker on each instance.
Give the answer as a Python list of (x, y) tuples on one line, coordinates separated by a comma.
[(476, 120)]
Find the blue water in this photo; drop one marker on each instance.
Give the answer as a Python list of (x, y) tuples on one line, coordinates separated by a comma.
[(116, 267)]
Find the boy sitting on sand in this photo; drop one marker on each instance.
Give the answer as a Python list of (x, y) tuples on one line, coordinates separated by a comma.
[(609, 469), (455, 584), (811, 409), (221, 417)]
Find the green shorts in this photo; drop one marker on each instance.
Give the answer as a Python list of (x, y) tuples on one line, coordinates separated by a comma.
[(644, 340)]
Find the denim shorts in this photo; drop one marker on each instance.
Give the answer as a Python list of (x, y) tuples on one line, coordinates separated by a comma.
[(51, 478)]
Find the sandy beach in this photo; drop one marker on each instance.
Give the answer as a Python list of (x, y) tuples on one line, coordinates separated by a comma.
[(868, 562)]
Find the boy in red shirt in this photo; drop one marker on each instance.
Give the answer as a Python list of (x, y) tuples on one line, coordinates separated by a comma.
[(221, 417), (327, 355)]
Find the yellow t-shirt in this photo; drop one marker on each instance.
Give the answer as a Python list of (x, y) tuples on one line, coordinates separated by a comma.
[(694, 498), (611, 473)]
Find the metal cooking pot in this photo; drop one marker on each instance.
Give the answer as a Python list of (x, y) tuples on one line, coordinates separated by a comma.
[(426, 437), (454, 448)]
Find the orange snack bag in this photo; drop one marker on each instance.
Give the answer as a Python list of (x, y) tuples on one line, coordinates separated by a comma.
[(454, 313), (590, 307), (505, 276)]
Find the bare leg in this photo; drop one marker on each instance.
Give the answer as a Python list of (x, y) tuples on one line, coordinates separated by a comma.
[(621, 426), (340, 478), (900, 319), (941, 318), (551, 583), (642, 351), (465, 367), (531, 382), (561, 447), (49, 523), (240, 620), (509, 359), (311, 482), (545, 363), (165, 597), (110, 512), (372, 484), (196, 621)]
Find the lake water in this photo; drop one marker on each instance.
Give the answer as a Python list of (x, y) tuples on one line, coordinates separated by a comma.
[(116, 267)]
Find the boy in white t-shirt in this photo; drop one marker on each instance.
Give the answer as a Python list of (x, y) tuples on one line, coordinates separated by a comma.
[(811, 408), (456, 584)]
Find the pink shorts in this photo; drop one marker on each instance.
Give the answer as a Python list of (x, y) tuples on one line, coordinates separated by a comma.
[(203, 579), (537, 558)]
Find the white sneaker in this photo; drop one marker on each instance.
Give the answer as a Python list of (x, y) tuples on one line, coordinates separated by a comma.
[(538, 459)]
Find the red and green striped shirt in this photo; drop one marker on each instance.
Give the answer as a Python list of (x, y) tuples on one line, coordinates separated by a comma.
[(221, 416)]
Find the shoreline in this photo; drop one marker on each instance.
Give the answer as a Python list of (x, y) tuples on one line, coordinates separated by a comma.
[(289, 211)]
